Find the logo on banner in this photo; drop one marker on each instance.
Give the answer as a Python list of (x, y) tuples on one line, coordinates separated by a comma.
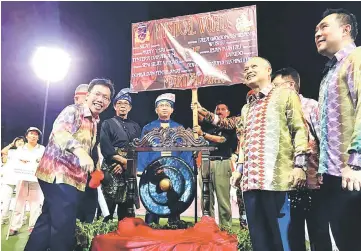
[(244, 22), (142, 33)]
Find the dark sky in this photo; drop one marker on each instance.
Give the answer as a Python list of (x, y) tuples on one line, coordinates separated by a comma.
[(98, 37)]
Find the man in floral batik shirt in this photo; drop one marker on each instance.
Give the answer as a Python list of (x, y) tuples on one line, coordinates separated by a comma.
[(305, 202), (273, 153), (340, 127), (64, 168)]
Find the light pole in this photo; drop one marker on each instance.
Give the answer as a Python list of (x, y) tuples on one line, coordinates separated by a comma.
[(51, 65)]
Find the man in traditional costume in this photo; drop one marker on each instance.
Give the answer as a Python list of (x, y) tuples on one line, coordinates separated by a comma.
[(164, 107), (115, 135)]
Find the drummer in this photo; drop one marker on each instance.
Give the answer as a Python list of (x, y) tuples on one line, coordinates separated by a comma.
[(164, 107)]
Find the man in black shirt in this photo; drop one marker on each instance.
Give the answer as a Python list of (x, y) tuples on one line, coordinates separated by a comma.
[(115, 135), (221, 165)]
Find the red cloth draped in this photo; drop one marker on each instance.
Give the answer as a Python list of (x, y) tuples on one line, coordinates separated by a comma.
[(134, 234)]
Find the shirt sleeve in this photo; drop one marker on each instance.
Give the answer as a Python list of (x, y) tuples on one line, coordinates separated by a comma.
[(315, 122), (106, 146), (298, 128), (241, 132), (230, 123), (354, 77), (40, 154), (65, 126)]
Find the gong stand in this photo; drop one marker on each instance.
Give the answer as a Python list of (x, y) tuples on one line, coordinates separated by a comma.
[(173, 140)]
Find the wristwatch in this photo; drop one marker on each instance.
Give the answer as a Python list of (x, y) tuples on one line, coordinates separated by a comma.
[(204, 134), (301, 162)]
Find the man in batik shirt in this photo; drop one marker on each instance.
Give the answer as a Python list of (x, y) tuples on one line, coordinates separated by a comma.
[(340, 126), (64, 168), (88, 200), (305, 202), (272, 156)]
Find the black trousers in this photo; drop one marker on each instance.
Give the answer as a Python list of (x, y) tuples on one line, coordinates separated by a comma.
[(268, 216), (55, 227), (306, 207), (122, 211), (342, 209), (88, 202)]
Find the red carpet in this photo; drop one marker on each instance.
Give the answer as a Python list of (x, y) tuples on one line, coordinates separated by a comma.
[(134, 234)]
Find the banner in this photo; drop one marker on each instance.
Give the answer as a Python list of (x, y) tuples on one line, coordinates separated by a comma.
[(25, 171), (193, 51)]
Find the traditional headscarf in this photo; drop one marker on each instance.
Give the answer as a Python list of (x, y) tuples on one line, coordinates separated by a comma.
[(123, 95)]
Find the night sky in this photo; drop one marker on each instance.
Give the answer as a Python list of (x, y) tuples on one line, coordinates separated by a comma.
[(97, 35)]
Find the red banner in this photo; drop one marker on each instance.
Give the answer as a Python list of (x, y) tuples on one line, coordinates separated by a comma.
[(193, 51)]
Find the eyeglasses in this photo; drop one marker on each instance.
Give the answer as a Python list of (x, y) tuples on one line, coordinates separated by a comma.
[(100, 95)]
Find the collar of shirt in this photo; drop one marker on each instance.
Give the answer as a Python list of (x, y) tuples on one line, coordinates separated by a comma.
[(87, 113), (164, 121), (120, 118), (253, 96), (302, 98), (25, 147), (341, 54)]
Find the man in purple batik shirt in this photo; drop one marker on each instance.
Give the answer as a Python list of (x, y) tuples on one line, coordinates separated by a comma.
[(340, 127)]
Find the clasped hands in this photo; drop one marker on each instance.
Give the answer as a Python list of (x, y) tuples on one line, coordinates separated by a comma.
[(121, 164)]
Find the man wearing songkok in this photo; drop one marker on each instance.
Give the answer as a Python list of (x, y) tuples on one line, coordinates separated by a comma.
[(221, 165), (115, 135), (340, 126), (164, 107), (29, 154), (64, 168), (80, 94), (305, 202), (272, 156)]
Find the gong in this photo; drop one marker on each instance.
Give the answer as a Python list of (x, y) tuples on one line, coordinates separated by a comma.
[(167, 186)]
